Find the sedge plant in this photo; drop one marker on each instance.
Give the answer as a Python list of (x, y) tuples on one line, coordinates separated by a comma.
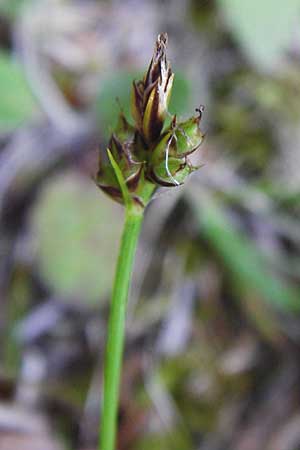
[(151, 152)]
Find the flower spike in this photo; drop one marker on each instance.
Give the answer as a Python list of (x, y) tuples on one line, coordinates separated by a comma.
[(146, 155)]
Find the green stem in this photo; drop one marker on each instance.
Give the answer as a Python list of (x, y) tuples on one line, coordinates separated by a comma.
[(116, 329)]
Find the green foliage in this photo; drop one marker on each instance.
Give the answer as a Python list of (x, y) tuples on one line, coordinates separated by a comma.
[(172, 439), (250, 271), (114, 93), (17, 104), (77, 233), (10, 7), (19, 298), (264, 29), (246, 132), (181, 95)]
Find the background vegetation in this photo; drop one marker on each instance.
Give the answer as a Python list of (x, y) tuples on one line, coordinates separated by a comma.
[(212, 356)]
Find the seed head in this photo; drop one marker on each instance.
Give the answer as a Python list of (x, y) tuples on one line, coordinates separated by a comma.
[(147, 154), (151, 96)]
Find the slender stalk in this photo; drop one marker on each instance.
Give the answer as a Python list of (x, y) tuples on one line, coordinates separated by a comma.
[(116, 329), (139, 160)]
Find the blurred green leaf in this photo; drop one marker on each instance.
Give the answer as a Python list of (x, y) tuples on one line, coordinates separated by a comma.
[(181, 96), (19, 298), (10, 7), (17, 103), (241, 256), (170, 439), (77, 230), (117, 88), (263, 28), (114, 93)]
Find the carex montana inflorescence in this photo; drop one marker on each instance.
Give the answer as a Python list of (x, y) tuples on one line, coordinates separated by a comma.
[(154, 151)]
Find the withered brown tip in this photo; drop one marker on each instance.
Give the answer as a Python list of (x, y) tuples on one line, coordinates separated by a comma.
[(163, 39)]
